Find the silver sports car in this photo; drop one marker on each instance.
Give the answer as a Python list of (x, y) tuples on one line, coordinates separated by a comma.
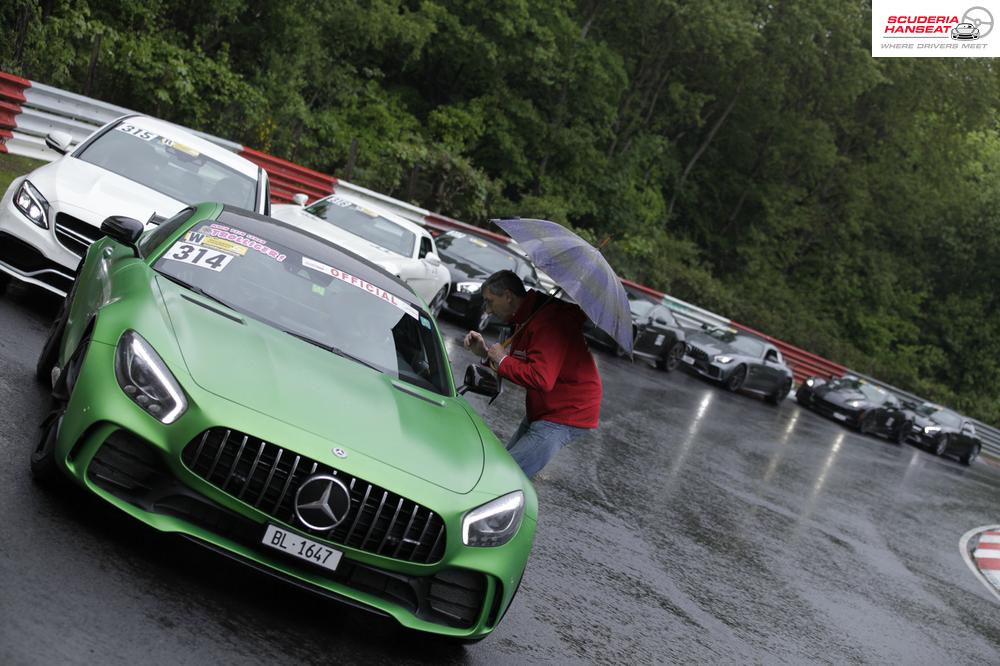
[(739, 361)]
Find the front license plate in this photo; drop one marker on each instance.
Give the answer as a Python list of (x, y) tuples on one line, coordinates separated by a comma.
[(659, 340), (687, 359), (839, 416), (301, 547)]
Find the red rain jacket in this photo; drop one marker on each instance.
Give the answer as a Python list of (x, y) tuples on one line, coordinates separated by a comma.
[(550, 358)]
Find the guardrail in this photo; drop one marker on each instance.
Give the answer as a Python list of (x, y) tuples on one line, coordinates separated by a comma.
[(30, 110)]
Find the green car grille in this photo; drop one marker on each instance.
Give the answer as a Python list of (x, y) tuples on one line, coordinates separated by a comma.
[(267, 477)]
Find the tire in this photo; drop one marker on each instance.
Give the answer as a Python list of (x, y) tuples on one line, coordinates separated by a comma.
[(971, 456), (900, 435), (941, 446), (867, 424), (50, 350), (672, 359), (44, 469), (735, 381), (779, 394), (438, 301)]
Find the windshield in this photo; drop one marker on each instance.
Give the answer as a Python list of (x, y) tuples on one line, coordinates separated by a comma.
[(365, 223), (742, 343), (938, 415), (168, 166), (641, 307), (305, 287), (458, 247), (870, 391)]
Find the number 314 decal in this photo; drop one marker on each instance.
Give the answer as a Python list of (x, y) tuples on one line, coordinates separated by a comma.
[(199, 256)]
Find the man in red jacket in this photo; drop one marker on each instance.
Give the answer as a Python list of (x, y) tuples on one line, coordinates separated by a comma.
[(549, 357)]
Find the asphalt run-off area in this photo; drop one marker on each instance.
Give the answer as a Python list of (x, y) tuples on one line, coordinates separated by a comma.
[(695, 525)]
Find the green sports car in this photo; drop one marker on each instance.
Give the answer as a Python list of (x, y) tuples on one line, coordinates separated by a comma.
[(284, 402)]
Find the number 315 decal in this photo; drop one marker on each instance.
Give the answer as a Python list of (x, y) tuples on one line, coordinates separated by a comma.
[(199, 256)]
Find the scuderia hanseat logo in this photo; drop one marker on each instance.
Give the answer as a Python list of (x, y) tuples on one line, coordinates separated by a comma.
[(931, 29)]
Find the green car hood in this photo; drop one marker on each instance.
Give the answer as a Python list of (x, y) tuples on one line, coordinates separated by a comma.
[(348, 404)]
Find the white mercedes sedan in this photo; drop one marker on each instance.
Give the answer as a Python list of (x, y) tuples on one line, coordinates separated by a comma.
[(399, 246), (136, 166)]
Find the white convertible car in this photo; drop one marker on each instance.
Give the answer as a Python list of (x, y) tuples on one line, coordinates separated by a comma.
[(401, 247), (135, 166)]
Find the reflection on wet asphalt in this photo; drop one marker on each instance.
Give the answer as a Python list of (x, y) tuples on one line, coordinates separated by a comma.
[(693, 526)]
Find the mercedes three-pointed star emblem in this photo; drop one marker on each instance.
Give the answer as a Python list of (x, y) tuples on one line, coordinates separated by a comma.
[(322, 502)]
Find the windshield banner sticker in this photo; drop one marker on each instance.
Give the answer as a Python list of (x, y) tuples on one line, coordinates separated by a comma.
[(360, 284), (202, 257), (245, 239), (199, 238)]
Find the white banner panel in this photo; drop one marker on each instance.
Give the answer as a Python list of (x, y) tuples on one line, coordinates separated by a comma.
[(935, 29)]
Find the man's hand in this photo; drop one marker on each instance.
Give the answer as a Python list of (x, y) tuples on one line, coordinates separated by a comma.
[(474, 342), (496, 354)]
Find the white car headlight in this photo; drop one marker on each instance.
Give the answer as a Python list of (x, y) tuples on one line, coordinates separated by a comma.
[(469, 287), (930, 430), (32, 204), (723, 359), (494, 523), (855, 403), (145, 379), (810, 381)]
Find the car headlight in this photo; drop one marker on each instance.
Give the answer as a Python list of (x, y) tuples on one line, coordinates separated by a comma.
[(494, 523), (723, 359), (469, 287), (810, 382), (145, 379), (32, 204), (930, 430), (855, 403)]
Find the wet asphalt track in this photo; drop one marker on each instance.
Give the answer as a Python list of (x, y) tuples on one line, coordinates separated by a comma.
[(694, 526)]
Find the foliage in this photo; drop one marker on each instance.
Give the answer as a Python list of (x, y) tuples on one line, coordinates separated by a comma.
[(749, 156)]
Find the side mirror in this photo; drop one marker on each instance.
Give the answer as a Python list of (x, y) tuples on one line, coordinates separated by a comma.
[(300, 198), (433, 259), (59, 141), (482, 380), (125, 230)]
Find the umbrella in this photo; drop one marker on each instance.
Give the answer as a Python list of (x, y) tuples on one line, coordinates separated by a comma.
[(580, 270)]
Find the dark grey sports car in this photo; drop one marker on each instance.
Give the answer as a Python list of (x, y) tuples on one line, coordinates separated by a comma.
[(854, 402), (943, 432), (638, 305), (739, 361), (659, 338)]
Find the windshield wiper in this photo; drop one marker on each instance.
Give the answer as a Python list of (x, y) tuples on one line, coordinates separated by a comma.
[(334, 350)]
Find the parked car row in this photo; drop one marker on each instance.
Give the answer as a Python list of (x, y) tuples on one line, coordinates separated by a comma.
[(870, 409)]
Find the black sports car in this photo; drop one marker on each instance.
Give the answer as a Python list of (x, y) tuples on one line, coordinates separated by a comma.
[(659, 338), (638, 304), (471, 260), (944, 432), (854, 402), (739, 361)]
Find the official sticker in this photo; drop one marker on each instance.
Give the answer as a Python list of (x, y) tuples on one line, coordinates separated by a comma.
[(360, 284)]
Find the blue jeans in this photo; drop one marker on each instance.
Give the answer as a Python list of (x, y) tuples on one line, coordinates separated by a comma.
[(534, 444)]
